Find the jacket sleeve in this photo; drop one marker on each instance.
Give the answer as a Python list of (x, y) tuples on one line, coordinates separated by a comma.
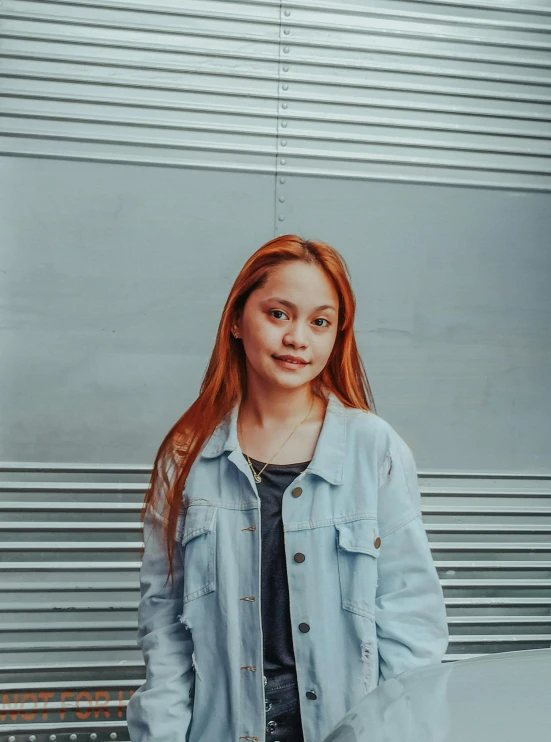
[(160, 710), (410, 613)]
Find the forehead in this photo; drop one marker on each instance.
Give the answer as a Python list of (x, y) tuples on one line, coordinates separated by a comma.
[(300, 280)]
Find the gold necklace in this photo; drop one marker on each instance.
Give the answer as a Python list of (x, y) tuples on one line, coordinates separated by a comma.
[(257, 476)]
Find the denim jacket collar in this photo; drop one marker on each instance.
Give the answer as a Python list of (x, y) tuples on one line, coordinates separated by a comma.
[(328, 459)]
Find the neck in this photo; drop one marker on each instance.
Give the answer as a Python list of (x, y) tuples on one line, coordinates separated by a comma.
[(266, 409)]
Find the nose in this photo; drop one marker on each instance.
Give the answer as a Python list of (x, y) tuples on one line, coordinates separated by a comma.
[(295, 336)]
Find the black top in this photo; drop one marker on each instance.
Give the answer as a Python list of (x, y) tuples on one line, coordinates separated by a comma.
[(276, 616)]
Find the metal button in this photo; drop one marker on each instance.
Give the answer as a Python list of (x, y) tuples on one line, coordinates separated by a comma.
[(311, 695), (271, 726), (377, 542), (304, 627), (299, 557), (297, 491)]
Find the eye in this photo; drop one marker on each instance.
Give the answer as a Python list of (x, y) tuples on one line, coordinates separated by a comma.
[(274, 311), (323, 320)]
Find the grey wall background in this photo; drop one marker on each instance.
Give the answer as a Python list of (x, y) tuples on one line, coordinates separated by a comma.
[(143, 157), (145, 152)]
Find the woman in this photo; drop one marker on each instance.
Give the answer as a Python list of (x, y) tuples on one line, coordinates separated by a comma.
[(286, 569)]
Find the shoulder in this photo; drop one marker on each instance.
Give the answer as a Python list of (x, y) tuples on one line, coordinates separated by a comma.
[(370, 432)]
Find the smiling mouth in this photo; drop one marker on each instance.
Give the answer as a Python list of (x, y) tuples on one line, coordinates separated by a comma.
[(287, 360)]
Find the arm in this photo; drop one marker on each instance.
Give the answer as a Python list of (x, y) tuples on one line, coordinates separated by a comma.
[(410, 613), (160, 710)]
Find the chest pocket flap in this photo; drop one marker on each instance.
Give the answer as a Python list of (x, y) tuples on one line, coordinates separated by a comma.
[(199, 550), (360, 535), (357, 553)]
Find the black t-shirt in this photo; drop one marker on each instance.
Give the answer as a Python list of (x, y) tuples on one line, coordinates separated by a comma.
[(276, 616)]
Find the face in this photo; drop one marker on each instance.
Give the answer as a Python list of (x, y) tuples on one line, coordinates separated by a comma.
[(288, 327)]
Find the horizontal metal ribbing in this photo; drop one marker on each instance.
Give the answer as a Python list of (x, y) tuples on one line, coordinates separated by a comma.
[(477, 584), (349, 102), (315, 136), (493, 620), (69, 645), (485, 510), (369, 65), (58, 467), (71, 507), (80, 586), (499, 638), (519, 492), (486, 528), (289, 115), (303, 79), (71, 626), (60, 608), (39, 705), (77, 487), (501, 185), (307, 154), (266, 21), (527, 546), (75, 685), (82, 468), (67, 566), (64, 727), (62, 546), (88, 666), (484, 5), (408, 15), (526, 565), (70, 526), (358, 10), (495, 602)]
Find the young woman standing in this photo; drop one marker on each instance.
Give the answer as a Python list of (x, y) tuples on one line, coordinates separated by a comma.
[(286, 569)]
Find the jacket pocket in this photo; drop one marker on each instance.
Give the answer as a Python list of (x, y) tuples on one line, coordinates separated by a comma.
[(198, 542), (357, 552)]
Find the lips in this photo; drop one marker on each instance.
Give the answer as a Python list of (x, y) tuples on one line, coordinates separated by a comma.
[(291, 359)]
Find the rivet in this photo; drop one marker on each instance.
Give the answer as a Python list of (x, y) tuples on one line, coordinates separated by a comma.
[(284, 124), (287, 12), (285, 87), (282, 180), (113, 735), (93, 735), (285, 68), (282, 199), (281, 217), (11, 739), (283, 162), (286, 31), (285, 105), (286, 50), (73, 736), (32, 738), (52, 737), (283, 142)]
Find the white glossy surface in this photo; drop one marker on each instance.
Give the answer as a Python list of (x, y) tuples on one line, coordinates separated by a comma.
[(506, 698)]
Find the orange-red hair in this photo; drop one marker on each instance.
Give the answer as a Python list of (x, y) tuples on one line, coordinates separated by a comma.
[(225, 380)]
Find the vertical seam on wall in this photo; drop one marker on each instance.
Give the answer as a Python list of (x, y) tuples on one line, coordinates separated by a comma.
[(279, 195)]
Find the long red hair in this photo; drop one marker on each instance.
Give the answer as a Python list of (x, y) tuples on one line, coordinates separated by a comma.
[(225, 381)]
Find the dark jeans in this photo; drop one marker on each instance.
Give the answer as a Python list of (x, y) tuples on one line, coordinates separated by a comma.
[(283, 722)]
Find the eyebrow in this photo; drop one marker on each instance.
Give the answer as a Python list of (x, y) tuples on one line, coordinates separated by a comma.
[(290, 304)]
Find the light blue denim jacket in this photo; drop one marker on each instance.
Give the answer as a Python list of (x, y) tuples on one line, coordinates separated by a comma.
[(367, 588)]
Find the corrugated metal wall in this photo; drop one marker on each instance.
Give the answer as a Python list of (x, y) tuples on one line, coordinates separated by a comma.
[(140, 143)]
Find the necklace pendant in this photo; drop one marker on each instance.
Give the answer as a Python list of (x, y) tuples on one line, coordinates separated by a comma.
[(257, 478)]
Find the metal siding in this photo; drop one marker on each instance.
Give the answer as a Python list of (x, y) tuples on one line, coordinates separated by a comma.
[(403, 92), (413, 93)]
